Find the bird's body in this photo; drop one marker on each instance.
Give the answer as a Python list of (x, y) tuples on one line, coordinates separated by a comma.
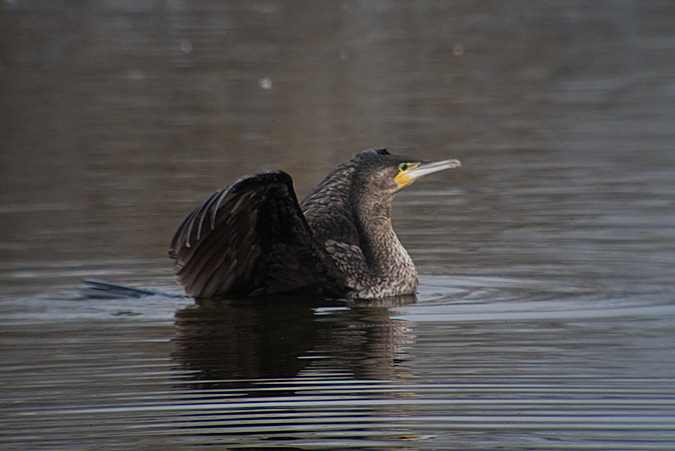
[(253, 237)]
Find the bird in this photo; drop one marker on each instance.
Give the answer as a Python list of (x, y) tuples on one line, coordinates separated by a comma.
[(253, 237)]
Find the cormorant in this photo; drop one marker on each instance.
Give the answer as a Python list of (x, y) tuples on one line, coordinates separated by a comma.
[(252, 237)]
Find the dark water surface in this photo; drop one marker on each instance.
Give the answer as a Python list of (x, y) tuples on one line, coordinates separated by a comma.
[(545, 317)]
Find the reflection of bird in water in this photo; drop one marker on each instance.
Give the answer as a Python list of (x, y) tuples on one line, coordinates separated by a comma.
[(253, 237), (223, 340)]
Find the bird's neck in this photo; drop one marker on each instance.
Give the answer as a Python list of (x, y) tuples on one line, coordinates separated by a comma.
[(384, 253)]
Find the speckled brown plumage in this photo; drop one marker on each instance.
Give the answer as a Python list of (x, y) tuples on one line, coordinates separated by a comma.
[(252, 237)]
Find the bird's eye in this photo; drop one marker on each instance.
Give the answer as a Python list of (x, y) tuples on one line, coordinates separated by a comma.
[(403, 166)]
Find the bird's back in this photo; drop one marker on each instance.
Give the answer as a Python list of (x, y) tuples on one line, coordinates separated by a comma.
[(328, 208)]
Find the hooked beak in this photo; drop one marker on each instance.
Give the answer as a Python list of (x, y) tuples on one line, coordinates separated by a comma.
[(414, 172)]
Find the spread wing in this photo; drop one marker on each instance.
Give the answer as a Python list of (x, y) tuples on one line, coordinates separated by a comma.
[(251, 237)]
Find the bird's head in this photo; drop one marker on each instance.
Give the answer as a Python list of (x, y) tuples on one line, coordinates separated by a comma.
[(409, 171), (390, 173)]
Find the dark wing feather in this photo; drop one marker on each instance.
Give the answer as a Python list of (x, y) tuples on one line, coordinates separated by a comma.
[(251, 236)]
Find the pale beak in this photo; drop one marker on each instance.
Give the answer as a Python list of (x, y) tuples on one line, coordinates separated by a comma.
[(405, 178)]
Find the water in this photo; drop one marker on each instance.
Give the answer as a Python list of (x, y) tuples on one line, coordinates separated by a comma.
[(545, 315)]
